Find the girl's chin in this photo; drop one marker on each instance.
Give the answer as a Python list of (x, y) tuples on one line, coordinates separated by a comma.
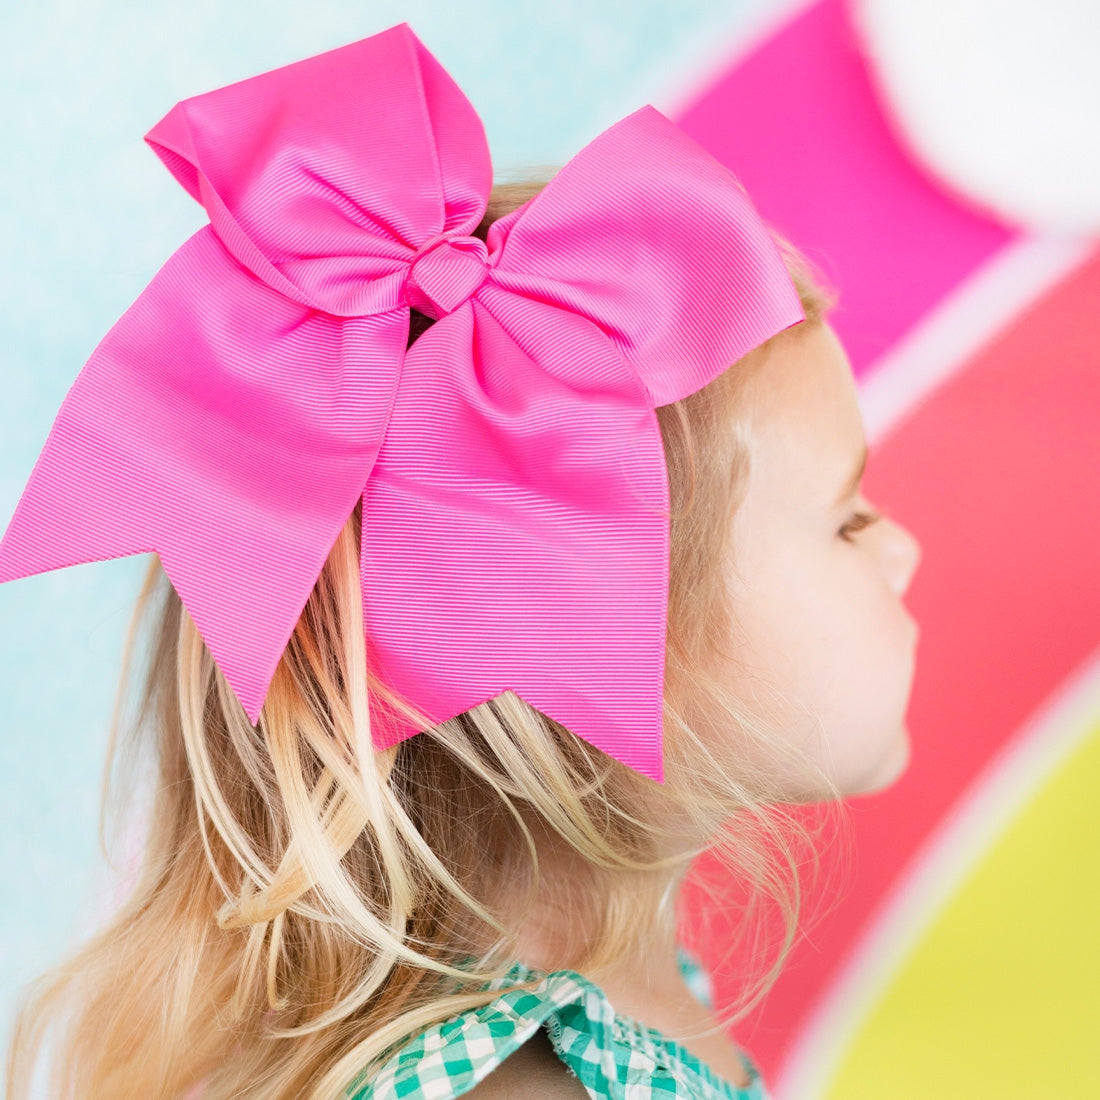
[(858, 777), (889, 767)]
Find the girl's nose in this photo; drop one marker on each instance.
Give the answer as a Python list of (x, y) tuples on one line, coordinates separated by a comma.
[(901, 553)]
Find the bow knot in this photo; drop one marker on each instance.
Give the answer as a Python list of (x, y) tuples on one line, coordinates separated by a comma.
[(444, 273)]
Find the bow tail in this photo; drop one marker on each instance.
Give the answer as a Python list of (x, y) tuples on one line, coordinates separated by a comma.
[(512, 539), (238, 467)]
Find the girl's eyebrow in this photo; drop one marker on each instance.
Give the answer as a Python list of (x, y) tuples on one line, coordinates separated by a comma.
[(852, 483)]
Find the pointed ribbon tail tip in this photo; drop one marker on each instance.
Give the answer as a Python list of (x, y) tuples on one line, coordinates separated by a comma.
[(648, 761), (657, 772), (250, 686), (251, 697)]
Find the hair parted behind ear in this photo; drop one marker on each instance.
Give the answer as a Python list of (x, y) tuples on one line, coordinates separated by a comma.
[(303, 902)]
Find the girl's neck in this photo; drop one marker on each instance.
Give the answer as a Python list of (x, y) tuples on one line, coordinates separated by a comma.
[(647, 985), (557, 932)]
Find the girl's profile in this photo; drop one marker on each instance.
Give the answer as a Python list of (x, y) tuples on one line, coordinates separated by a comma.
[(590, 435)]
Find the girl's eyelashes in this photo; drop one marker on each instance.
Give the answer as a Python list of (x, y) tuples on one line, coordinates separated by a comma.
[(857, 523)]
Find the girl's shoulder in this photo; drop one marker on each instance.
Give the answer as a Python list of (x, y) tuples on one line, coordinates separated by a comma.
[(609, 1054)]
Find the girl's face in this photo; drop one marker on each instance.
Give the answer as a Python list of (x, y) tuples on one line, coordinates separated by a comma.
[(818, 589)]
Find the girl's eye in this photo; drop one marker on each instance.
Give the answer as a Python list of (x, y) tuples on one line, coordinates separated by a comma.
[(857, 523)]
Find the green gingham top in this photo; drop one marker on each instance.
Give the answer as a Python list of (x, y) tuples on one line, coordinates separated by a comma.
[(612, 1055)]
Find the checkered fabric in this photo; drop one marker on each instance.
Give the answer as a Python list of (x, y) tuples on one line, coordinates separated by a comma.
[(613, 1056)]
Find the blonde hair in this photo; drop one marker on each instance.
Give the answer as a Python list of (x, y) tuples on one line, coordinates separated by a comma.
[(303, 903)]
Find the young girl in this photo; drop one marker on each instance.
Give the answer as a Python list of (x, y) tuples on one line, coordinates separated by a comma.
[(363, 888)]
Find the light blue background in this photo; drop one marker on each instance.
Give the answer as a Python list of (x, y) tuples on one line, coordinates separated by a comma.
[(88, 214)]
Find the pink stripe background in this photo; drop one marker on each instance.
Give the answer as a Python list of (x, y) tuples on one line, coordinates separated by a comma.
[(994, 471)]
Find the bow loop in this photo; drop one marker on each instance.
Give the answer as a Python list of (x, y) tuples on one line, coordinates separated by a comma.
[(656, 242), (325, 177), (445, 273)]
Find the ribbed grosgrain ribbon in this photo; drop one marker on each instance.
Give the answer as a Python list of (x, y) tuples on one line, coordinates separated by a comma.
[(515, 496)]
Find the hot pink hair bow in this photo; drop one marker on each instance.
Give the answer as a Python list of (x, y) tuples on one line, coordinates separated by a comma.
[(515, 496)]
